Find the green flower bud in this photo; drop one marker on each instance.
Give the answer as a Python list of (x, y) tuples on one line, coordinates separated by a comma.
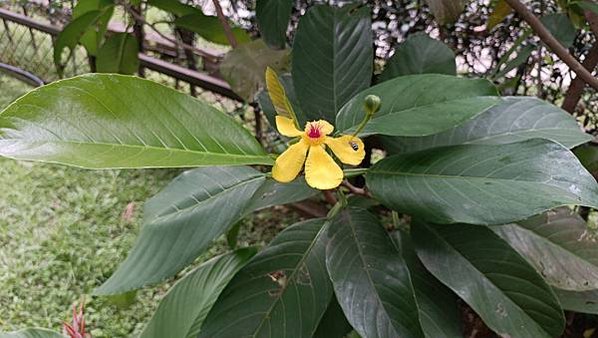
[(372, 104)]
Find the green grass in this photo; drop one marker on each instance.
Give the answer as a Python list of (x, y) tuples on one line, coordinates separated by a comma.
[(64, 230)]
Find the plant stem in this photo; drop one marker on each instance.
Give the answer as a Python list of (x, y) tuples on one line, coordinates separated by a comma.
[(224, 22), (355, 172), (553, 43)]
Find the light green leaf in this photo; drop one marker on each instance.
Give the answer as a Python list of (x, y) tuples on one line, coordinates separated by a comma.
[(436, 304), (482, 184), (419, 105), (561, 27), (182, 221), (446, 11), (210, 28), (183, 310), (282, 292), (332, 58), (514, 119), (32, 333), (420, 54), (175, 7), (265, 103), (370, 278), (498, 284), (119, 54), (244, 67), (578, 301), (114, 121), (273, 19), (559, 245)]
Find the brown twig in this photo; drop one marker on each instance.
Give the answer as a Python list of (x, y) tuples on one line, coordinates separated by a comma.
[(227, 30), (577, 86), (553, 43), (355, 190), (329, 196)]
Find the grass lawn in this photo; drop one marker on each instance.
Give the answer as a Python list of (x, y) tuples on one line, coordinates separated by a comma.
[(63, 231)]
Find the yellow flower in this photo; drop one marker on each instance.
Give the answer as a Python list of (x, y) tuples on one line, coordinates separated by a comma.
[(321, 171)]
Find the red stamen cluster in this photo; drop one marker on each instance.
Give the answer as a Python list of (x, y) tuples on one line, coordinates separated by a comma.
[(77, 328), (314, 131)]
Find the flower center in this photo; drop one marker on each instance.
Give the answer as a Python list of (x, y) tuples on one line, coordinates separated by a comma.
[(314, 131)]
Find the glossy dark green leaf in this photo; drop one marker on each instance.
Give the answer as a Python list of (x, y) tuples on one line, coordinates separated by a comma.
[(420, 54), (32, 333), (446, 11), (273, 19), (483, 184), (436, 304), (370, 278), (419, 105), (114, 121), (244, 67), (282, 292), (588, 156), (514, 119), (491, 277), (119, 54), (578, 301), (184, 308), (561, 27), (210, 28), (72, 33), (334, 324), (332, 58), (559, 245), (181, 222)]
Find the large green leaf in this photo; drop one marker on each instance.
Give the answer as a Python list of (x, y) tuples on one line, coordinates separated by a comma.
[(436, 304), (491, 277), (483, 184), (513, 119), (244, 67), (371, 280), (273, 19), (210, 28), (115, 121), (332, 58), (273, 193), (334, 324), (578, 301), (119, 54), (32, 333), (420, 54), (183, 310), (175, 7), (282, 292), (446, 11), (419, 105), (559, 245), (182, 221)]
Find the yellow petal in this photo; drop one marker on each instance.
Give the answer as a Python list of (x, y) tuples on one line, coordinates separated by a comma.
[(287, 127), (321, 172), (325, 127), (349, 149), (289, 164)]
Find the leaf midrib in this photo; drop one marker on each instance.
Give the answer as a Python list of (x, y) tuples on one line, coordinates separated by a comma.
[(440, 176)]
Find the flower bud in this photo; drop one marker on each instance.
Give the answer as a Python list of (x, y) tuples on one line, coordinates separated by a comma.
[(372, 104)]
